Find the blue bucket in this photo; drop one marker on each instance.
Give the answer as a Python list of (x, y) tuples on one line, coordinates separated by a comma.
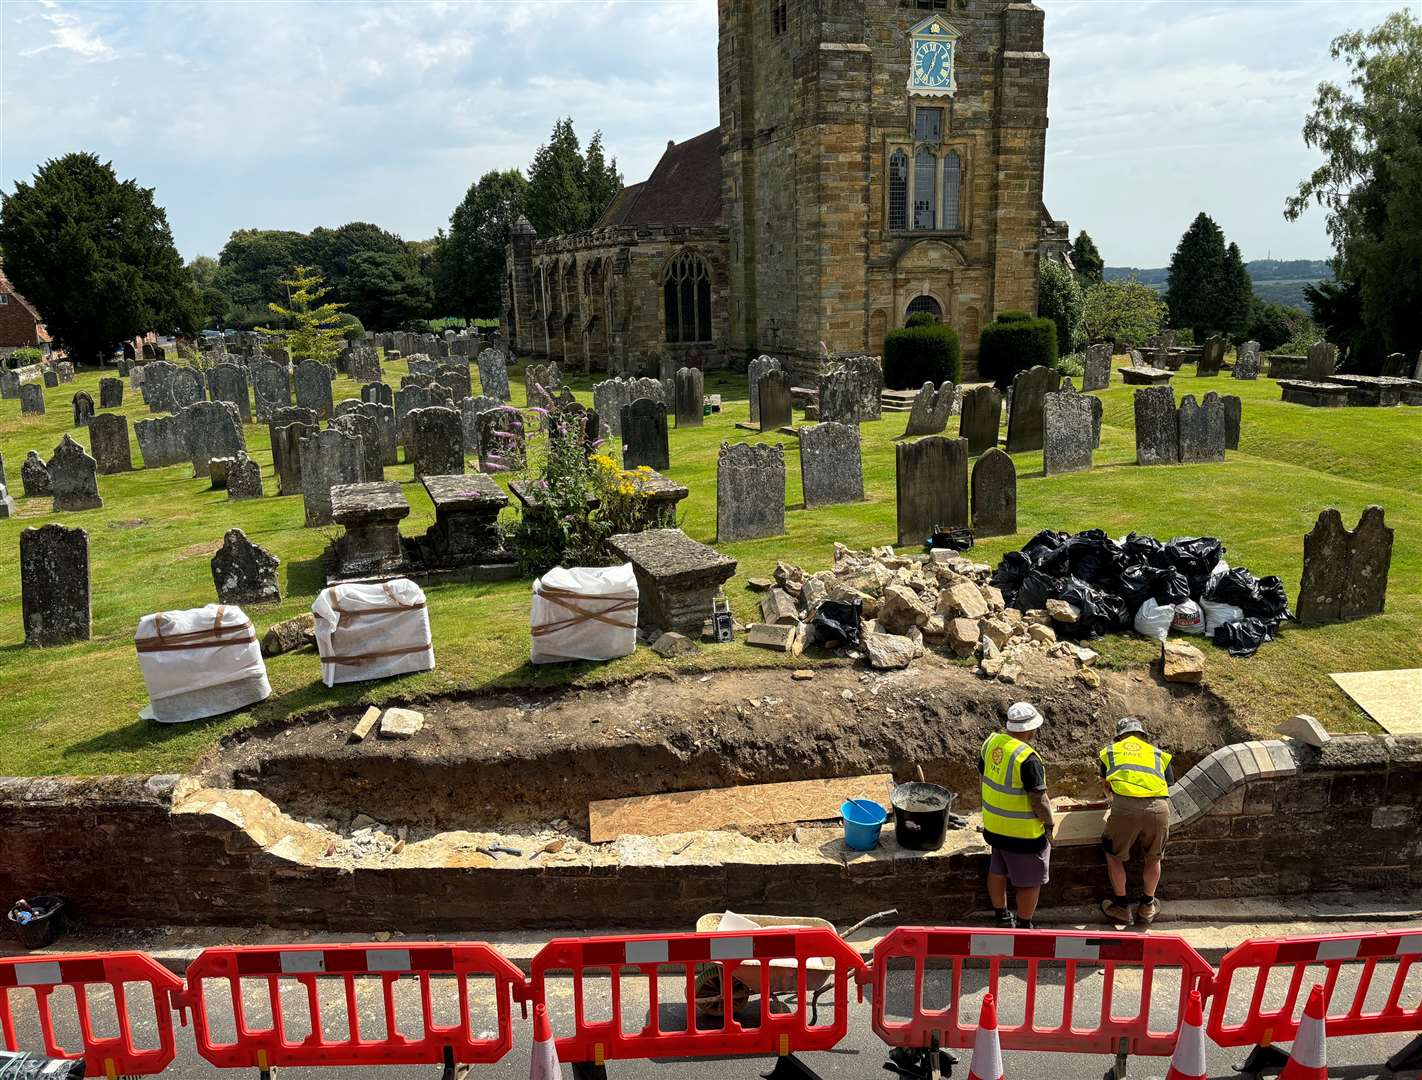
[(862, 821)]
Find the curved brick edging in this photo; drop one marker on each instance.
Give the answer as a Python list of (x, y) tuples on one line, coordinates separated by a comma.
[(130, 851)]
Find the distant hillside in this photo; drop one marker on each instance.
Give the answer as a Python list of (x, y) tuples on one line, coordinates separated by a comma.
[(1277, 281)]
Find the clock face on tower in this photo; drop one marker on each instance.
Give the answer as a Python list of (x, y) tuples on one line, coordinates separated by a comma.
[(932, 50)]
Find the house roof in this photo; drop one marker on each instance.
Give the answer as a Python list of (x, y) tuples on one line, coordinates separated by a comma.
[(5, 286), (684, 188)]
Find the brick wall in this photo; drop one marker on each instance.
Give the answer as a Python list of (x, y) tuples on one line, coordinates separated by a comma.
[(1343, 817), (17, 325)]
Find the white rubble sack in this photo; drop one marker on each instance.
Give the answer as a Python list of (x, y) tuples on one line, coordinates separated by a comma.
[(372, 631), (202, 662), (584, 613)]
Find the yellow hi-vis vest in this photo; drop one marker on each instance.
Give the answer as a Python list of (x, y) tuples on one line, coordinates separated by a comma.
[(1006, 808), (1135, 768)]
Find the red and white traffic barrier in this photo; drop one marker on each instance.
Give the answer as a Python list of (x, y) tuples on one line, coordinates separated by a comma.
[(1188, 1061), (1308, 1058), (987, 1051)]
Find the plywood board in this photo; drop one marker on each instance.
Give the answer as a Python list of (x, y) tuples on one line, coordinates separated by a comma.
[(746, 807), (1392, 698), (1075, 828)]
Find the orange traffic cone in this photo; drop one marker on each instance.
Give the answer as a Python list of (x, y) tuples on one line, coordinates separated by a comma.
[(544, 1065), (1188, 1061), (987, 1050), (1308, 1057)]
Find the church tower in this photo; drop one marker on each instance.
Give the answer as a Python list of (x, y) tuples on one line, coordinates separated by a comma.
[(879, 157)]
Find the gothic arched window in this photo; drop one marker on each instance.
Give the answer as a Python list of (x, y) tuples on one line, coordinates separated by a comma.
[(952, 189), (686, 288), (898, 190), (926, 304), (925, 169)]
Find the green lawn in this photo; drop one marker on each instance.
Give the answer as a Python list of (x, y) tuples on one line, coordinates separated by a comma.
[(74, 709)]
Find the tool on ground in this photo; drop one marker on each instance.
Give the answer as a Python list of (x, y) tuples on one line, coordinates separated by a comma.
[(495, 850), (1188, 1061), (987, 1050)]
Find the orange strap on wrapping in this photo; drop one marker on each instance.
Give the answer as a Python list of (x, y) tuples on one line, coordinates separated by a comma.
[(211, 638), (362, 657), (565, 598)]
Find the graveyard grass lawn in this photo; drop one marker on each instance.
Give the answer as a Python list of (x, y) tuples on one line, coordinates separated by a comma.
[(73, 709)]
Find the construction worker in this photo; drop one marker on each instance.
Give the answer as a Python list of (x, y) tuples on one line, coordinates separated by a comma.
[(1017, 816), (1137, 777)]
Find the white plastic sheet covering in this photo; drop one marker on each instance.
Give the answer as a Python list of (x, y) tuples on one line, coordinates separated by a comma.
[(584, 613), (202, 662), (372, 631)]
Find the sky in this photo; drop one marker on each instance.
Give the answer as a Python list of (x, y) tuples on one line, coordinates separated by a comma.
[(288, 115)]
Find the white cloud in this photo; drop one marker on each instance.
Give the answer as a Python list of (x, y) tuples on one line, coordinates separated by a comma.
[(68, 34)]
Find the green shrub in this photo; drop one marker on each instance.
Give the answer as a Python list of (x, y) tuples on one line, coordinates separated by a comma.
[(919, 354), (920, 318), (1185, 336), (1007, 348), (1072, 364), (26, 355), (1059, 298), (352, 327), (1014, 316)]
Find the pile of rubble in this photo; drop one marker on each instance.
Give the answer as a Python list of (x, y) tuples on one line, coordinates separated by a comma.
[(911, 603)]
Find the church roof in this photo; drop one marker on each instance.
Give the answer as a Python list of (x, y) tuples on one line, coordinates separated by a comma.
[(684, 188)]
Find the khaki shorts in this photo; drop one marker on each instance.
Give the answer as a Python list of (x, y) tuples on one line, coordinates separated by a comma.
[(1137, 824)]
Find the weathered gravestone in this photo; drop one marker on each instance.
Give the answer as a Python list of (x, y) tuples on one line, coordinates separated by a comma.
[(1157, 430), (980, 418), (157, 385), (775, 401), (407, 400), (34, 476), (1233, 414), (371, 514), (456, 378), (1212, 355), (1345, 573), (110, 393), (228, 382), (54, 584), (994, 494), (212, 429), (383, 416), (313, 387), (868, 375), (368, 428), (244, 572), (501, 440), (162, 441), (1098, 410), (108, 437), (187, 388), (839, 398), (931, 478), (1246, 361), (51, 377), (750, 491), (73, 477), (928, 415), (377, 393), (328, 458), (546, 376), (754, 372), (469, 410), (271, 387), (1136, 358), (31, 399), (831, 470), (244, 478), (83, 409), (1066, 432), (363, 365), (1201, 429), (1096, 369), (1322, 358), (286, 454), (148, 353), (690, 397), (493, 375), (437, 442), (644, 435), (1024, 418)]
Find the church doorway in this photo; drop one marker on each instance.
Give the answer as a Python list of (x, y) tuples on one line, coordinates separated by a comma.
[(926, 304)]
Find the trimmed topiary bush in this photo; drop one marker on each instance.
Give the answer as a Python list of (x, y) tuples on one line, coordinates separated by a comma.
[(920, 318), (1014, 316), (919, 354), (350, 326), (1007, 348)]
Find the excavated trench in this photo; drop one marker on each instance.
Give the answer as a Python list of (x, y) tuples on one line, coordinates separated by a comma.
[(520, 759)]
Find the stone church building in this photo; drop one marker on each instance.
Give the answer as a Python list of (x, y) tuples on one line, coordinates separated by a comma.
[(875, 158)]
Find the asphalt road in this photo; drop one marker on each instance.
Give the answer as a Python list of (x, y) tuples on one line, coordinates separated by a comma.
[(859, 1055)]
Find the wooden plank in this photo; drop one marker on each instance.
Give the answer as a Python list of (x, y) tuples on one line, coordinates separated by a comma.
[(1389, 697), (1076, 828), (366, 722), (751, 805)]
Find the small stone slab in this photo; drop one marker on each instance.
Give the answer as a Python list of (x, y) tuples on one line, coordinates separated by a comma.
[(1146, 376), (1305, 729), (1345, 573), (401, 723), (1066, 432), (1096, 369), (1318, 395)]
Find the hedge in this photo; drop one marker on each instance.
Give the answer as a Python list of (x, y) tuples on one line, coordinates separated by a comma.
[(919, 354), (1014, 316), (1015, 345), (920, 318)]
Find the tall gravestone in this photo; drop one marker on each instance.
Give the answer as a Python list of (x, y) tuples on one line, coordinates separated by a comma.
[(54, 584), (1096, 368), (839, 398), (244, 572), (213, 429), (108, 437), (831, 470), (469, 410), (546, 376), (271, 388), (34, 476), (1024, 420), (313, 388), (187, 388), (328, 459), (456, 377), (162, 441), (980, 418), (73, 477), (754, 372), (644, 435), (1246, 361), (1157, 430), (493, 375), (286, 454), (1345, 573), (868, 375), (1211, 356), (228, 382), (358, 423), (83, 409), (1233, 414), (775, 403), (750, 491), (363, 364), (1322, 358), (437, 434), (931, 479), (31, 399), (994, 494), (1201, 429), (157, 385), (928, 415), (502, 442), (690, 397), (1066, 432), (110, 393)]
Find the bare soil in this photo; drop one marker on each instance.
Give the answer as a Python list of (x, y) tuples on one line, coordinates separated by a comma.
[(523, 757)]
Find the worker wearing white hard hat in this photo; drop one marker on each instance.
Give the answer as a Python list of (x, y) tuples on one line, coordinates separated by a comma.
[(1017, 815)]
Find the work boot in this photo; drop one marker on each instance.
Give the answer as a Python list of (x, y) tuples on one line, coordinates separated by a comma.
[(1004, 919), (1116, 911), (1147, 910)]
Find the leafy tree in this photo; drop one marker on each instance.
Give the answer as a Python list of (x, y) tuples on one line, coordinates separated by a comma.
[(469, 259), (255, 262), (1273, 324), (1206, 293), (313, 330), (205, 272), (387, 290), (1059, 298), (331, 251), (1125, 311), (95, 255), (567, 189), (1090, 266), (601, 180), (1370, 184)]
